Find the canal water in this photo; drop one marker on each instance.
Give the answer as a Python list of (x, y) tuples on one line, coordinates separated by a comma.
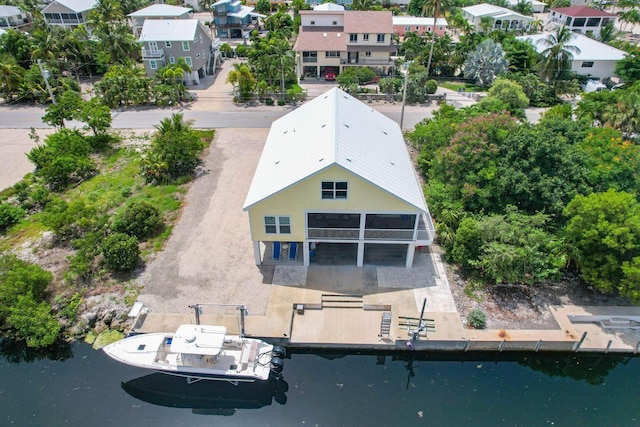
[(83, 387)]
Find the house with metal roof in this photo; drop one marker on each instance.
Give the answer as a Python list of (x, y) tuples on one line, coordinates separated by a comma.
[(13, 17), (336, 172), (536, 6), (157, 11), (580, 19), (594, 59), (331, 37), (501, 18), (68, 13), (418, 24), (164, 41)]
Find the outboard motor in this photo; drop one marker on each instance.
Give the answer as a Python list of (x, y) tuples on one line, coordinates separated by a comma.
[(277, 365), (279, 351)]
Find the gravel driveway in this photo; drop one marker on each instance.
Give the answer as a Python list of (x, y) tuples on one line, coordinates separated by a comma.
[(209, 256)]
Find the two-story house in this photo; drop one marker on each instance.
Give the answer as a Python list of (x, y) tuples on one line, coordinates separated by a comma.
[(418, 24), (13, 17), (232, 19), (501, 18), (329, 36), (156, 11), (166, 40), (336, 172), (68, 14), (580, 19)]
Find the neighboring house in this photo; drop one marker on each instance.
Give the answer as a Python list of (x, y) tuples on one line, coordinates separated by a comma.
[(316, 3), (329, 36), (156, 11), (166, 40), (595, 59), (536, 6), (68, 14), (336, 171), (501, 18), (581, 19), (13, 17), (416, 24), (232, 19)]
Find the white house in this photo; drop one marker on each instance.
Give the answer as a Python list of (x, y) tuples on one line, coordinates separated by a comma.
[(537, 6), (595, 59), (502, 18), (13, 17), (581, 19)]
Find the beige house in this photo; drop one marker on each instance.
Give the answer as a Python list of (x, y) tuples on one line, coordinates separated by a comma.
[(332, 37), (336, 172)]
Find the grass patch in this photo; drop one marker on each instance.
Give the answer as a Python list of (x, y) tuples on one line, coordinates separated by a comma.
[(472, 289), (458, 86), (206, 136)]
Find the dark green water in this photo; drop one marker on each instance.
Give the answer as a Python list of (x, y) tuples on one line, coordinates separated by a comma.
[(88, 389)]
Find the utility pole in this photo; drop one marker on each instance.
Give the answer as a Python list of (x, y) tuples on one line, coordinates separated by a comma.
[(404, 93), (45, 76)]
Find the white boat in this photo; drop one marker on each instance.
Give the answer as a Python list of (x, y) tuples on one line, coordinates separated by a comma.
[(200, 352)]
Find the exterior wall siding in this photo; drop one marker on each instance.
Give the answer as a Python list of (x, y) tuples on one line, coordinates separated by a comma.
[(306, 196)]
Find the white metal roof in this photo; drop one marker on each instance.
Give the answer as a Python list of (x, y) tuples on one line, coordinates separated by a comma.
[(533, 2), (590, 49), (7, 10), (336, 129), (332, 7), (417, 20), (160, 10), (76, 5), (485, 9), (168, 30)]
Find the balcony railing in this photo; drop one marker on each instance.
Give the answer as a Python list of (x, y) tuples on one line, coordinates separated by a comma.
[(369, 234), (152, 53), (307, 59), (68, 21), (334, 233), (366, 61)]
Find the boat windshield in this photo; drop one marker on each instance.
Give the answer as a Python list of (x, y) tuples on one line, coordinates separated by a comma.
[(198, 339)]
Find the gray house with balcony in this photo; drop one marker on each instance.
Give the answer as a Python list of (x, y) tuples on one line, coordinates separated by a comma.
[(165, 41), (68, 14), (13, 17)]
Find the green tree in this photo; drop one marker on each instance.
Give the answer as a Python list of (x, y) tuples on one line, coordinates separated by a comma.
[(18, 278), (242, 80), (628, 68), (510, 93), (18, 45), (11, 76), (263, 6), (140, 219), (556, 57), (603, 230), (33, 322), (485, 63), (66, 108)]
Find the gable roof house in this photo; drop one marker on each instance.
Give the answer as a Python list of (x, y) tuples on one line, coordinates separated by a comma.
[(333, 37), (502, 18), (418, 24), (68, 13), (580, 19), (536, 6), (166, 40), (13, 17), (336, 171), (156, 11), (595, 59)]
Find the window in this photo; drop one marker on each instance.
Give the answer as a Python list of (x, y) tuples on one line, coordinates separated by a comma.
[(579, 22), (365, 37), (353, 37), (331, 54), (185, 46), (153, 64), (313, 22), (407, 28), (200, 38), (380, 38), (198, 56), (367, 54), (167, 44), (334, 189), (277, 225), (587, 64), (593, 22), (187, 60), (335, 22), (172, 60)]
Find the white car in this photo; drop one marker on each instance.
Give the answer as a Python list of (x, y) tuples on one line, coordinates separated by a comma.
[(594, 86)]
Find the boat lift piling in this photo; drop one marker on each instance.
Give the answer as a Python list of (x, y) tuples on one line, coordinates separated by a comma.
[(197, 308)]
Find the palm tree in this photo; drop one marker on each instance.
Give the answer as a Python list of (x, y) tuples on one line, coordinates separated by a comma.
[(174, 123), (11, 76), (118, 42), (486, 24), (104, 13), (557, 55), (44, 45), (173, 75), (242, 79), (608, 33), (431, 6), (625, 113)]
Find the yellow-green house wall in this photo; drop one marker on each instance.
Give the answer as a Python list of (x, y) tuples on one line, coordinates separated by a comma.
[(306, 196)]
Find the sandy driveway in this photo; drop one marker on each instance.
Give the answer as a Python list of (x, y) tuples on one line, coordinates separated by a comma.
[(209, 257)]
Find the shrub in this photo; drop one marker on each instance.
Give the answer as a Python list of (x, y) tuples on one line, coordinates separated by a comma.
[(477, 319), (432, 86), (139, 219), (121, 252), (9, 215), (18, 278), (34, 322), (269, 101)]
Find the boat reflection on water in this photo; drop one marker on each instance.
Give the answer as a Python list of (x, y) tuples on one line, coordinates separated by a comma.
[(206, 397)]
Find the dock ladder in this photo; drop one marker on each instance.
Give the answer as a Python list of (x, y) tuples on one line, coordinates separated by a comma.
[(385, 325)]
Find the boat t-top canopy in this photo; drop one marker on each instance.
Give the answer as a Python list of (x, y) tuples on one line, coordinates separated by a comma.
[(198, 339)]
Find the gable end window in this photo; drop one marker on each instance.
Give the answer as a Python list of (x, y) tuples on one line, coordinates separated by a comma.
[(334, 190), (167, 44), (277, 224), (380, 38), (587, 64), (353, 37), (365, 37)]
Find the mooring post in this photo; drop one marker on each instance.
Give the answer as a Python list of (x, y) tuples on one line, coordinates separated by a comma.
[(538, 345), (637, 349), (577, 347), (243, 311), (608, 346)]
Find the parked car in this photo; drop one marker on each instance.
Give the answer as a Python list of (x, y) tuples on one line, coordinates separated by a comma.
[(330, 73), (593, 86)]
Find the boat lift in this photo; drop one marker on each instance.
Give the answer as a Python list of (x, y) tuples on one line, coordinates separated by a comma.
[(197, 308)]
